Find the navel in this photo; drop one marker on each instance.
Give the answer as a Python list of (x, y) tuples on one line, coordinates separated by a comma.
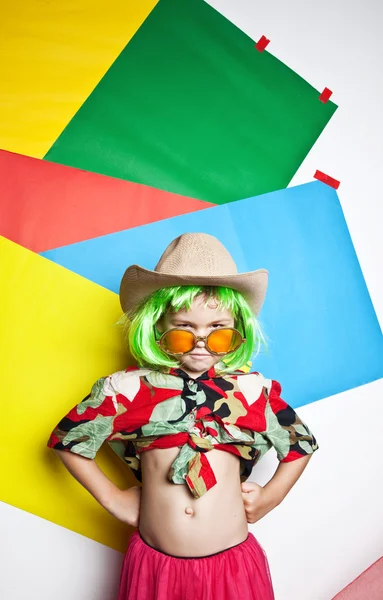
[(189, 511)]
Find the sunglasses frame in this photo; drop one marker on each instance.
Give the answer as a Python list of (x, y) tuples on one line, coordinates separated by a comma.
[(198, 338)]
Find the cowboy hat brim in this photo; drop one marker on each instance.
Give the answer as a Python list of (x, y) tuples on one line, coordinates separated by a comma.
[(138, 283)]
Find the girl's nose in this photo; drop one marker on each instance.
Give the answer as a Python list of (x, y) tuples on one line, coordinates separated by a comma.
[(200, 344)]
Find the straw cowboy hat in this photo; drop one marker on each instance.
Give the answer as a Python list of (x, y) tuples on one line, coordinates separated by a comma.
[(193, 259)]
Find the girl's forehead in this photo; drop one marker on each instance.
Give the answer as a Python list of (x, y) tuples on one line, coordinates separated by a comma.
[(201, 309)]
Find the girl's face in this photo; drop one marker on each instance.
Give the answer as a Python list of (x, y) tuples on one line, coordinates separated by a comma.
[(201, 320)]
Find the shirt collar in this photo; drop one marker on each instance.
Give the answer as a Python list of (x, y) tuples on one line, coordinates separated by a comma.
[(210, 374)]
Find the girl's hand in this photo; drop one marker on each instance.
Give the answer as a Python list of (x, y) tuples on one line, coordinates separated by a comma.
[(256, 501), (125, 505)]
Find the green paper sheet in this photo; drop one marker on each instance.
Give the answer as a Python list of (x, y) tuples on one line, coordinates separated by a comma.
[(190, 106)]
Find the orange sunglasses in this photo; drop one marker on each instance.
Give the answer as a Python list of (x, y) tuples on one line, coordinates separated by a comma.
[(219, 341)]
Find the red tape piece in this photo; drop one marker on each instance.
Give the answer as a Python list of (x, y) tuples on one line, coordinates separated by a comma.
[(327, 179), (325, 95), (262, 43)]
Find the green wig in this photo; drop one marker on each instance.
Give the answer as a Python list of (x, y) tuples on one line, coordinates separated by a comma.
[(142, 319)]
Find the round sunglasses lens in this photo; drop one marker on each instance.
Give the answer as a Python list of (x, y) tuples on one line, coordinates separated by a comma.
[(177, 341), (224, 340)]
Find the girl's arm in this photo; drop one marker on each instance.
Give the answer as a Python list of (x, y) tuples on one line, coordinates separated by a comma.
[(294, 444), (258, 500), (88, 473), (122, 504), (284, 478)]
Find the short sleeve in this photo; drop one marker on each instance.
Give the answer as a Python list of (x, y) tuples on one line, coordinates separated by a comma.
[(285, 430), (87, 425)]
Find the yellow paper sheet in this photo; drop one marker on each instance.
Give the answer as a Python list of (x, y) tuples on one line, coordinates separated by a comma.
[(52, 55), (58, 335)]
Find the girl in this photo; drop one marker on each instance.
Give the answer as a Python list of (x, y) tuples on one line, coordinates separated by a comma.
[(192, 327)]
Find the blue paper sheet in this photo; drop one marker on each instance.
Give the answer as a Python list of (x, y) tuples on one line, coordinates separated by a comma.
[(323, 334)]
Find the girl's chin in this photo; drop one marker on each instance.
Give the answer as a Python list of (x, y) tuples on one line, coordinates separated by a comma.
[(199, 363)]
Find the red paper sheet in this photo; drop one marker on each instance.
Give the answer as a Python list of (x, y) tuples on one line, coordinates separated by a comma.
[(46, 205)]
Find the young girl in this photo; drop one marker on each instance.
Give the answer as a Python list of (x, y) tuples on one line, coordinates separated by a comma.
[(192, 328)]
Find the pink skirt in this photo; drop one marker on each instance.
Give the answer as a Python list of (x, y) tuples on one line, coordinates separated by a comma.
[(241, 571)]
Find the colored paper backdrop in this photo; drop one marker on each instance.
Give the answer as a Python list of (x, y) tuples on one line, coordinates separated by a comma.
[(324, 336), (59, 334), (52, 55), (44, 205), (190, 106)]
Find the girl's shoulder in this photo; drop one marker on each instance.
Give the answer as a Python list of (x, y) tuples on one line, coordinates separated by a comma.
[(126, 382), (252, 384), (131, 380), (251, 377)]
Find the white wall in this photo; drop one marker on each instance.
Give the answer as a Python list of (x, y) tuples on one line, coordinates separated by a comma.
[(330, 527), (42, 561)]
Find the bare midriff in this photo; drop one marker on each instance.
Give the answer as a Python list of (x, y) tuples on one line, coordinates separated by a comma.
[(173, 521)]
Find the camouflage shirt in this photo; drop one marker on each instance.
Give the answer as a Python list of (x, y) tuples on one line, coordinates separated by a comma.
[(138, 409)]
